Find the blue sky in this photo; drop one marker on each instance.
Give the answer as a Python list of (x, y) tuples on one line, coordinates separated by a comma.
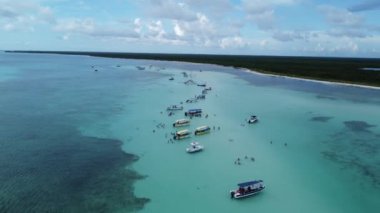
[(256, 27)]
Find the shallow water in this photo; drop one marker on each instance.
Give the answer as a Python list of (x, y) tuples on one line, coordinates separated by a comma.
[(330, 162)]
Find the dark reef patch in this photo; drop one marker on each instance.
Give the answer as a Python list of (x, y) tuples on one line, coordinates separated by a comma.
[(325, 97), (356, 152), (46, 164), (63, 171), (368, 170), (321, 118), (358, 126)]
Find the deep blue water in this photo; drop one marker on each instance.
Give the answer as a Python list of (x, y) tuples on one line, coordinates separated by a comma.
[(46, 163)]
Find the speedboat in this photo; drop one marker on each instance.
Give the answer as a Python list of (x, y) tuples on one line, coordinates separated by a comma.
[(174, 107), (202, 130), (182, 134), (247, 189), (181, 122), (253, 119), (194, 147), (194, 112)]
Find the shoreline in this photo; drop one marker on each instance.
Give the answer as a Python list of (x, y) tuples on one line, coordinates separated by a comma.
[(309, 80), (220, 60)]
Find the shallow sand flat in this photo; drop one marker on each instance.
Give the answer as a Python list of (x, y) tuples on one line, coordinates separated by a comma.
[(299, 176)]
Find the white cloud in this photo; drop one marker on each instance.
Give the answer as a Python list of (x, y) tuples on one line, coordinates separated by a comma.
[(89, 27), (291, 35), (23, 15), (156, 30), (168, 9), (138, 25), (341, 17), (262, 13), (75, 25), (232, 42), (178, 30)]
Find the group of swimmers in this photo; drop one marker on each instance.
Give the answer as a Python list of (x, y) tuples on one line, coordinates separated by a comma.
[(238, 162)]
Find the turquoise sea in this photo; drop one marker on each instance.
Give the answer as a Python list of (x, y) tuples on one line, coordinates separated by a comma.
[(88, 134)]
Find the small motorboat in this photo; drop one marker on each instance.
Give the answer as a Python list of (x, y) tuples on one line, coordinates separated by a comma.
[(191, 100), (201, 85), (182, 134), (247, 189), (194, 147), (174, 107), (140, 67), (253, 119), (171, 79), (181, 122), (202, 130)]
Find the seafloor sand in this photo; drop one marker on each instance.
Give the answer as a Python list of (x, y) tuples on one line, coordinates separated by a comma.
[(327, 166), (330, 164)]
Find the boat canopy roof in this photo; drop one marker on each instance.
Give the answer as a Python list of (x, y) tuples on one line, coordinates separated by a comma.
[(249, 183), (182, 120), (203, 128), (195, 110), (185, 131)]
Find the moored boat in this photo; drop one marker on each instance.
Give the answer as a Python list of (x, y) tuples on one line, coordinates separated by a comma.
[(194, 112), (174, 107), (253, 119), (202, 130), (182, 134), (181, 122), (191, 100), (247, 189), (194, 147), (199, 97)]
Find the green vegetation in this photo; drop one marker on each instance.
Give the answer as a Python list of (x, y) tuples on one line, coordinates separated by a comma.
[(348, 70)]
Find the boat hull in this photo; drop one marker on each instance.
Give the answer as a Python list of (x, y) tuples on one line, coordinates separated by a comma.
[(181, 125), (177, 137), (238, 195), (189, 150), (202, 133)]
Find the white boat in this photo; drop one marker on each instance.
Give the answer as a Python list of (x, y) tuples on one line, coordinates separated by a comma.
[(253, 119), (174, 107), (194, 147), (181, 122), (202, 130), (247, 189), (182, 134)]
